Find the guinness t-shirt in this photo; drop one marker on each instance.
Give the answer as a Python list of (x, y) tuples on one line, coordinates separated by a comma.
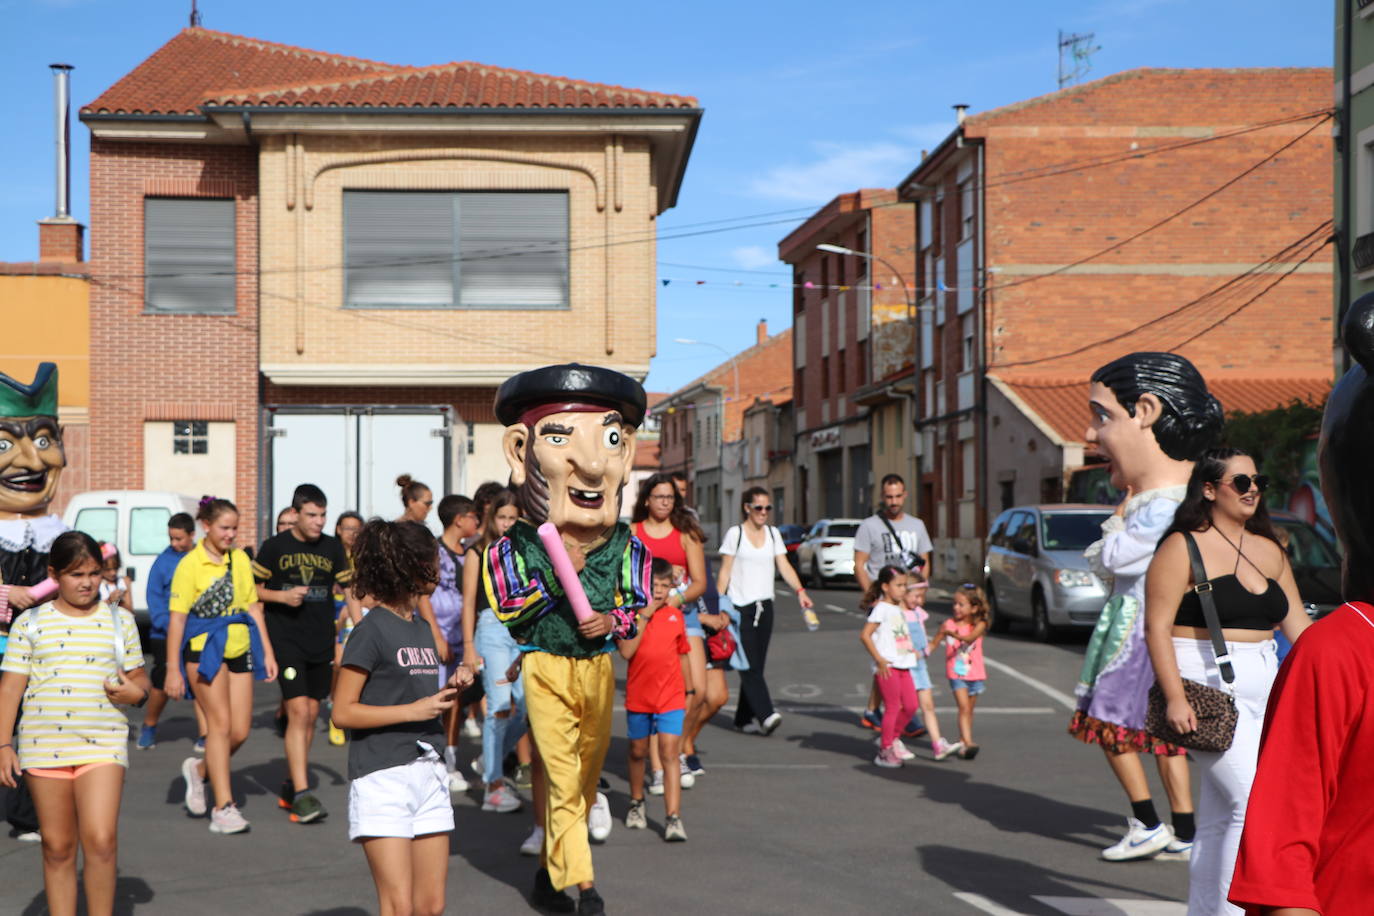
[(304, 633)]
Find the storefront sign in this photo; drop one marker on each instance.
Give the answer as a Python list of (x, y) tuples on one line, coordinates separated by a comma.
[(825, 438)]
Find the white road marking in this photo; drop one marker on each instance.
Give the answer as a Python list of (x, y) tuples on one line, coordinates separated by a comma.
[(978, 901), (837, 609), (1083, 906), (943, 710), (1058, 696), (770, 766)]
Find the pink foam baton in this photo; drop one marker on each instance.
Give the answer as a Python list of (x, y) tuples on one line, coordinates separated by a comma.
[(43, 589), (563, 569)]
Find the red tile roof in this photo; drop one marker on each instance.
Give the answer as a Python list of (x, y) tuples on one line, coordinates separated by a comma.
[(1062, 404), (200, 67)]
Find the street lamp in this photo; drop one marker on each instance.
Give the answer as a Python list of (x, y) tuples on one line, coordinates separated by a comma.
[(720, 432)]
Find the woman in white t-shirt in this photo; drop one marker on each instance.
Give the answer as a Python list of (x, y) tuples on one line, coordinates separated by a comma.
[(749, 554)]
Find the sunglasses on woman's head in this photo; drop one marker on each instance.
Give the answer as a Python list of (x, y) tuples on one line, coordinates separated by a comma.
[(1242, 483)]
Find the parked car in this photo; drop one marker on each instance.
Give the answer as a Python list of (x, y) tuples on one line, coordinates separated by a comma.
[(828, 551), (135, 521), (1035, 570), (792, 536)]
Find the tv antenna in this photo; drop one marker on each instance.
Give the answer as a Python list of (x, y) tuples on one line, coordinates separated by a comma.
[(195, 15), (1075, 57)]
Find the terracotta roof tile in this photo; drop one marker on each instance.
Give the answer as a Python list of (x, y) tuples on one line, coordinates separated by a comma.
[(463, 84), (177, 76), (1062, 404)]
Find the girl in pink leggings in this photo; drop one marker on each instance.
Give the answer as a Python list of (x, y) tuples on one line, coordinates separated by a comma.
[(887, 638)]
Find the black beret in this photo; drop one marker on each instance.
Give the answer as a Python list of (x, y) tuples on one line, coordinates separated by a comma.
[(571, 383)]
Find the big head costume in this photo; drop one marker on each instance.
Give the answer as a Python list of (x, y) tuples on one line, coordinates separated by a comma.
[(1183, 420), (569, 441)]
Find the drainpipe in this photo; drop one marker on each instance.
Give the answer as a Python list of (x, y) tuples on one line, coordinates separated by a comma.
[(1345, 238)]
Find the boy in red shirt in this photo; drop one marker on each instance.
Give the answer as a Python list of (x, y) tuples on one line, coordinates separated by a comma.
[(656, 699)]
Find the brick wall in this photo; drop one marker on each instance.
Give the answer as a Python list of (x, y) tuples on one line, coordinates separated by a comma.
[(152, 366), (470, 405)]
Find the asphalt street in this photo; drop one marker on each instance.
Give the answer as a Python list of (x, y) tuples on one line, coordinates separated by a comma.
[(799, 822)]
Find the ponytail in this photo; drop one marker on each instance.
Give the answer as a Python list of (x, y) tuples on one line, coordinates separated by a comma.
[(875, 588)]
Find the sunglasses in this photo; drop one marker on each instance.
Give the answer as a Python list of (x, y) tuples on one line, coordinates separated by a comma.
[(1242, 483), (761, 508)]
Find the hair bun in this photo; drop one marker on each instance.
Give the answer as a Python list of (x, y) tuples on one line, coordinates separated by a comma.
[(404, 481)]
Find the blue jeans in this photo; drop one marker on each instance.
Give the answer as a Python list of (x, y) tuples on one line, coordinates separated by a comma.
[(498, 649)]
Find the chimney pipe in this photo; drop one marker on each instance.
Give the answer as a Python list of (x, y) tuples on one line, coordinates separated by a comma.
[(762, 331), (62, 116), (961, 112)]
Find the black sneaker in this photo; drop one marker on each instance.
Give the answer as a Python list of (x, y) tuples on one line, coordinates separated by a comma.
[(969, 752), (546, 897), (286, 797), (591, 904), (603, 785), (279, 724)]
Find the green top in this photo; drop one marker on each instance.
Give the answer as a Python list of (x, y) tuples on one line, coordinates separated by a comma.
[(36, 400)]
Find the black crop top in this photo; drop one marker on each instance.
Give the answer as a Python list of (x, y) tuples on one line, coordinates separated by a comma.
[(1237, 607)]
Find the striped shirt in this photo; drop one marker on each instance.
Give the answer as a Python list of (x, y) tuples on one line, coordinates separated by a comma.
[(68, 720)]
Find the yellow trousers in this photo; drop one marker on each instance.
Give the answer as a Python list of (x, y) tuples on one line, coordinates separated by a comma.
[(569, 702)]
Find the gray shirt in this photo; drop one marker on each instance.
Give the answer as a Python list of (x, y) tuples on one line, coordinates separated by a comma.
[(874, 539), (402, 666)]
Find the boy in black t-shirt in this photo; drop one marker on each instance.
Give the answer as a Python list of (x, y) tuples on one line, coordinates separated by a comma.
[(296, 571)]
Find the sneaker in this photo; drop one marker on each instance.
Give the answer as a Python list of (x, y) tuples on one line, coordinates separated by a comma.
[(524, 776), (457, 783), (656, 785), (944, 749), (694, 763), (227, 820), (599, 819), (534, 843), (286, 795), (28, 836), (888, 758), (901, 750), (589, 903), (279, 725), (673, 831), (1140, 842), (771, 724), (915, 728), (635, 818), (603, 785), (307, 808), (751, 728), (687, 778), (969, 751), (471, 729), (1176, 851), (199, 747), (546, 897), (872, 719), (147, 738), (195, 787), (336, 735), (502, 800)]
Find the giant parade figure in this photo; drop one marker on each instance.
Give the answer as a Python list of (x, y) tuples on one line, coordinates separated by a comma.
[(31, 463), (566, 579), (1152, 417)]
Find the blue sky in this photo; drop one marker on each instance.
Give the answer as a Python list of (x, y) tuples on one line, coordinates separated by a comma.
[(803, 100)]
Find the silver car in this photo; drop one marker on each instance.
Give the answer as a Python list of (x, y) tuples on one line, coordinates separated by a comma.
[(1035, 569)]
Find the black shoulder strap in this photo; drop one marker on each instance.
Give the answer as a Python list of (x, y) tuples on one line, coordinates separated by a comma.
[(893, 531), (1203, 587), (739, 537)]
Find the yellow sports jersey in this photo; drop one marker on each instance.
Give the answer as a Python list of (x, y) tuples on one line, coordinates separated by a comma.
[(194, 575)]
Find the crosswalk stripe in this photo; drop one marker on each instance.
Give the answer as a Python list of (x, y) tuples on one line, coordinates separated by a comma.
[(1082, 906)]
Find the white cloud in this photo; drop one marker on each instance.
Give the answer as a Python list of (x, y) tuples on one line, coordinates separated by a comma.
[(752, 257), (838, 168)]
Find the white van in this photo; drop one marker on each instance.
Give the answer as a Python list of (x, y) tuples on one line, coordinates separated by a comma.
[(135, 521)]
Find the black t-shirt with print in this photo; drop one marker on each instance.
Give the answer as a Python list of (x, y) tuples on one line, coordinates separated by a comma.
[(304, 633), (402, 666)]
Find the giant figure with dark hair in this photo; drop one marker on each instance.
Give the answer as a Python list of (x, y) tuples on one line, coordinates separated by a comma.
[(1308, 845), (570, 443), (1152, 416)]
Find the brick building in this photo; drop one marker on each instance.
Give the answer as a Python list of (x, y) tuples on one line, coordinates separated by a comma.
[(311, 264), (769, 437), (852, 316), (1181, 210), (701, 421)]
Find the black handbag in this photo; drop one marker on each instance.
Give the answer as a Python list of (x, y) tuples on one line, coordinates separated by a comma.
[(1215, 709)]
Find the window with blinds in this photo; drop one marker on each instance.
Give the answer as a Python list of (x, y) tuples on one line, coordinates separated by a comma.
[(476, 250), (188, 255)]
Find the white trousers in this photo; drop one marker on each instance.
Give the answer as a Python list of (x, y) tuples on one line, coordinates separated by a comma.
[(1226, 778)]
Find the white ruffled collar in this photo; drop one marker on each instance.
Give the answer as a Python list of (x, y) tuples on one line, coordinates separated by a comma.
[(1145, 497), (16, 534)]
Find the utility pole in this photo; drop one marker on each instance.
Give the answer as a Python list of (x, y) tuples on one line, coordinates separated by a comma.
[(1079, 50)]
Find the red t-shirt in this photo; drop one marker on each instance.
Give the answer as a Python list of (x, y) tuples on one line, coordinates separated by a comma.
[(654, 683), (1309, 830)]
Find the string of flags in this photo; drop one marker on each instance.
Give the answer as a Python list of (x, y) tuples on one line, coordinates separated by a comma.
[(940, 285)]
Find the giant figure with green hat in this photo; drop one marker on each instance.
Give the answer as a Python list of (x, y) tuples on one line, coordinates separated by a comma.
[(31, 463)]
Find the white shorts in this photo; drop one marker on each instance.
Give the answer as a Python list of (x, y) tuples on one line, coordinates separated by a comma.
[(409, 800)]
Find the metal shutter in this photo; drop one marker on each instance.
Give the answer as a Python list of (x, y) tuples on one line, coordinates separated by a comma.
[(188, 255), (514, 250), (398, 249)]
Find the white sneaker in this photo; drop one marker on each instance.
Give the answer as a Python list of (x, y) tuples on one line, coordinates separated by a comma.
[(195, 787), (1176, 851), (457, 783), (656, 787), (688, 778), (471, 729), (227, 820), (1139, 842), (599, 819), (946, 749), (534, 843), (29, 836), (501, 800), (901, 750), (771, 723), (751, 728)]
